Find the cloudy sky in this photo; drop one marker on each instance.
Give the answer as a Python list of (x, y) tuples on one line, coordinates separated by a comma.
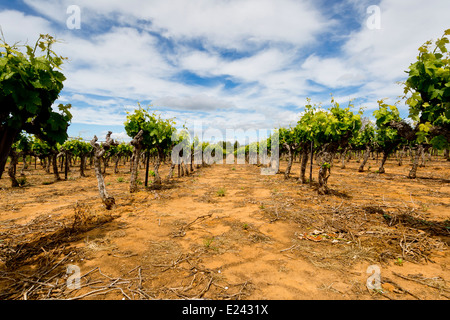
[(226, 64)]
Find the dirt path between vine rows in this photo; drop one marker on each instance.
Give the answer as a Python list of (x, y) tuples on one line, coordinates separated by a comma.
[(228, 232)]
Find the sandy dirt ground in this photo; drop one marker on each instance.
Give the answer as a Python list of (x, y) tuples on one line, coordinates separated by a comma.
[(228, 232)]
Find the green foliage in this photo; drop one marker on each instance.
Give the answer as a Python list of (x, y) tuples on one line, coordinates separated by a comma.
[(212, 152), (122, 149), (253, 148), (428, 87), (157, 131), (22, 181), (221, 192), (364, 137), (23, 143), (29, 85), (184, 146), (208, 243), (311, 122), (287, 136), (386, 138), (326, 165), (77, 147), (439, 142), (227, 144), (39, 147), (336, 125)]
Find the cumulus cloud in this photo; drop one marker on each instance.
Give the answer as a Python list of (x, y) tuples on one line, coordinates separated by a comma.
[(252, 61), (94, 115), (120, 136), (30, 27), (198, 102), (332, 72), (224, 23), (92, 101)]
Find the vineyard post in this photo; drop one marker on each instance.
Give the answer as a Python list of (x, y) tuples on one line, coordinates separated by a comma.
[(311, 163), (12, 167), (66, 164), (137, 144), (147, 164)]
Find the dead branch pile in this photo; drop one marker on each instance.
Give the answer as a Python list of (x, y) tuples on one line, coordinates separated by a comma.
[(33, 255), (384, 231), (200, 282)]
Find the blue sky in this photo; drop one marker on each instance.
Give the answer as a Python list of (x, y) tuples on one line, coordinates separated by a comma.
[(226, 64)]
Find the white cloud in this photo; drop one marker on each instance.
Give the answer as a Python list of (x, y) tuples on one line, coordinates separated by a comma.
[(198, 102), (224, 23), (92, 101), (98, 115), (376, 59), (120, 136), (122, 61), (28, 32), (332, 72), (405, 25), (275, 41), (258, 67), (237, 24)]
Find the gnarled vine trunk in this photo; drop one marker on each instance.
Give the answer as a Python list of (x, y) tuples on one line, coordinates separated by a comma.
[(54, 158), (7, 137), (48, 163), (82, 165), (423, 154), (25, 164), (157, 179), (116, 164), (343, 157), (413, 172), (290, 160), (304, 162), (365, 158), (12, 167), (324, 172), (170, 174), (137, 144), (383, 161), (107, 200)]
